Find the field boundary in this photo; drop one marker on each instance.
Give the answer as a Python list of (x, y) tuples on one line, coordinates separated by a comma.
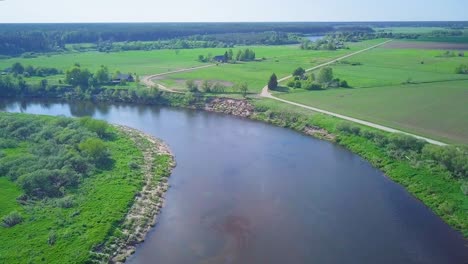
[(266, 94)]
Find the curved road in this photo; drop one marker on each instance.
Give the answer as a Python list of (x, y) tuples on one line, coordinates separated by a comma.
[(266, 93), (147, 80)]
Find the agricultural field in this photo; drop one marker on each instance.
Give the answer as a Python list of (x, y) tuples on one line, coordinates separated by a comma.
[(412, 90)]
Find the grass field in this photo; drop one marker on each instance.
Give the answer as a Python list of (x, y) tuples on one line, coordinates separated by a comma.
[(433, 105), (281, 60)]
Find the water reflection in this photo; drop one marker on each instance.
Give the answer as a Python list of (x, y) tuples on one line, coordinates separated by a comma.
[(247, 192)]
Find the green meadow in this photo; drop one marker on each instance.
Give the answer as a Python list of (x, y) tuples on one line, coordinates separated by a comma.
[(281, 60), (412, 90)]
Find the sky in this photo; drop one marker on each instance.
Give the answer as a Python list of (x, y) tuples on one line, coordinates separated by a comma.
[(19, 11)]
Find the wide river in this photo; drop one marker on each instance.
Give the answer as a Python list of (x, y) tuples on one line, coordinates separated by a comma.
[(248, 192)]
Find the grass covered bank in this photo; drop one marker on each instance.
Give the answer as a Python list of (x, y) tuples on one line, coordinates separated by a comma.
[(438, 176), (68, 186)]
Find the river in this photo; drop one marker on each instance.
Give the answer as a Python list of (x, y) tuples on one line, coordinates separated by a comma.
[(249, 192)]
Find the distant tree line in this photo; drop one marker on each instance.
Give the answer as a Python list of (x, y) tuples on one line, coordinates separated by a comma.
[(18, 68)]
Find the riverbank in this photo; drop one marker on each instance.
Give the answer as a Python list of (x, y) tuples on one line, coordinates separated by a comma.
[(402, 158), (77, 190), (142, 216), (410, 162)]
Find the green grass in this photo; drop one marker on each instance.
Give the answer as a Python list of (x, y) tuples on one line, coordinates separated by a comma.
[(281, 60), (435, 106), (102, 201), (140, 62), (436, 110), (431, 184), (8, 195)]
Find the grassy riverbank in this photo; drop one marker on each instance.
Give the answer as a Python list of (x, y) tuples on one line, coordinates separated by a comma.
[(405, 160), (66, 224)]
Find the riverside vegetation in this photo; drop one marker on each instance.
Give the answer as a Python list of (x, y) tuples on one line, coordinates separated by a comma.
[(67, 185), (435, 175)]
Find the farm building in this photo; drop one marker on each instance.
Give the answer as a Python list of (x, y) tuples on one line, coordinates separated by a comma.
[(122, 77), (220, 59)]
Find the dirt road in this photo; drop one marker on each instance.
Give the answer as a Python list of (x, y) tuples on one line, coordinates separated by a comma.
[(266, 93), (147, 80)]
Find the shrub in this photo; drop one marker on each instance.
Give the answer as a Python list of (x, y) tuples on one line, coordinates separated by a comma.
[(191, 86), (348, 128), (133, 165), (406, 142), (454, 158), (52, 238), (298, 84), (97, 126), (12, 219), (464, 187), (66, 202), (96, 149), (312, 86), (291, 84), (344, 84)]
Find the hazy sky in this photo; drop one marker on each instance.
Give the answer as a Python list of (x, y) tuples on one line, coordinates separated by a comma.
[(233, 10)]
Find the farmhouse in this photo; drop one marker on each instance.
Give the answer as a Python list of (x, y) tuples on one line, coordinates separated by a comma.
[(220, 59), (122, 77)]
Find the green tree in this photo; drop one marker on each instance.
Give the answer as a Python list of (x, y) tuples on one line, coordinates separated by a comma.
[(17, 68), (299, 72), (102, 75), (96, 149), (273, 82), (243, 88), (325, 75), (78, 77), (191, 86), (230, 54), (206, 86)]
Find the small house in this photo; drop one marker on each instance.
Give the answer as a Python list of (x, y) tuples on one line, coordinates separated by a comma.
[(122, 77), (220, 59)]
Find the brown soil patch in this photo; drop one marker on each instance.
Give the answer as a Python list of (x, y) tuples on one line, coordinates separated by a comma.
[(425, 45)]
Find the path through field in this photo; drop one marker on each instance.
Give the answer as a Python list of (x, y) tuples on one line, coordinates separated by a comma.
[(147, 80), (266, 93)]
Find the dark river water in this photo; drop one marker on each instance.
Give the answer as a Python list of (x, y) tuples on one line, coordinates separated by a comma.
[(248, 192)]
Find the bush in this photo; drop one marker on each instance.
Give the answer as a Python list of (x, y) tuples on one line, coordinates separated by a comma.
[(191, 86), (65, 202), (454, 158), (298, 84), (12, 219), (344, 84), (312, 86), (52, 238), (464, 187), (291, 84), (348, 128), (96, 149), (406, 142), (97, 126)]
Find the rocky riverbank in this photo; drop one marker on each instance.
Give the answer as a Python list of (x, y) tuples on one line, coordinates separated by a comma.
[(142, 215)]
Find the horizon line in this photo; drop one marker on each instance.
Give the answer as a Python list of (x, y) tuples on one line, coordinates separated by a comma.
[(214, 22)]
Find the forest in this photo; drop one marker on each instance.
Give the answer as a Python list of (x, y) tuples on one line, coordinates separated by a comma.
[(16, 39)]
